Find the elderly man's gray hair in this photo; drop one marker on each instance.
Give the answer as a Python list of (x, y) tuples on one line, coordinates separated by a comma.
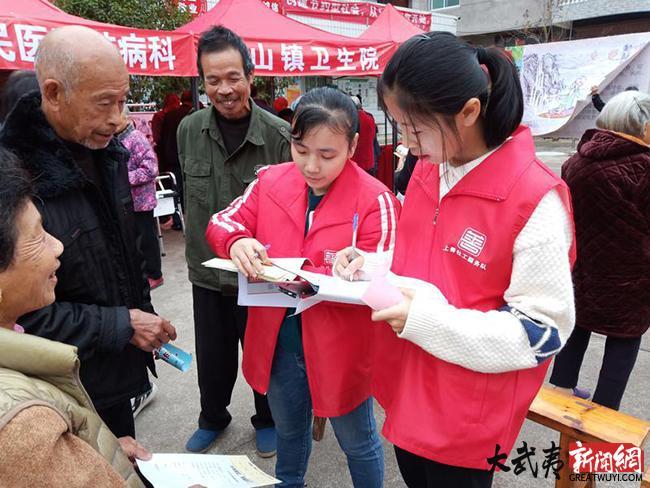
[(628, 112), (54, 62)]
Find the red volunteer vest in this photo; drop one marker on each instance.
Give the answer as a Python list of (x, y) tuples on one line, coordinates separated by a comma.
[(463, 244), (364, 155), (337, 338)]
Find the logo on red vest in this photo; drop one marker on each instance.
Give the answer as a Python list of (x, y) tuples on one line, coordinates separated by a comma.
[(469, 246), (472, 241), (329, 257)]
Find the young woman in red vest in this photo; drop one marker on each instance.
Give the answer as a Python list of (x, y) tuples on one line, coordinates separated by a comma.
[(320, 360), (490, 228)]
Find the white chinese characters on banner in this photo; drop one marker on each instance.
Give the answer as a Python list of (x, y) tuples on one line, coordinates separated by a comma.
[(133, 50), (297, 58), (323, 58), (273, 6), (161, 51), (292, 57), (358, 11), (194, 7), (28, 38), (263, 60), (143, 51), (369, 60), (7, 50), (345, 58)]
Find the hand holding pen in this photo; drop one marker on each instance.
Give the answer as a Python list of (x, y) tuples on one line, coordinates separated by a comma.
[(349, 261), (250, 256)]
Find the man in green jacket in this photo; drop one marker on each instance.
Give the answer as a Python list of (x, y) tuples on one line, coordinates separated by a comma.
[(220, 148)]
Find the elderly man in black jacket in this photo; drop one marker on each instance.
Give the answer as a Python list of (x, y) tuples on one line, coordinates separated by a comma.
[(64, 135)]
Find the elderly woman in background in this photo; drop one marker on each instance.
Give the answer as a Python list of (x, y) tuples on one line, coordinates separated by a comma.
[(50, 434), (143, 169), (609, 178)]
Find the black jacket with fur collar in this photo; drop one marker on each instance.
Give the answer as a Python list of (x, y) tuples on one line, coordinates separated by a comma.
[(101, 274)]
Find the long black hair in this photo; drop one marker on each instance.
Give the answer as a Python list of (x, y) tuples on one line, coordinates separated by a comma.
[(325, 106), (433, 75)]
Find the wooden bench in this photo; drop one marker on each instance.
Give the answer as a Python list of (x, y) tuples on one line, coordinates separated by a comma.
[(581, 420)]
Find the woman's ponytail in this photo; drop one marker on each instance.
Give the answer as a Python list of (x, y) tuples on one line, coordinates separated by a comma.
[(435, 74), (504, 104)]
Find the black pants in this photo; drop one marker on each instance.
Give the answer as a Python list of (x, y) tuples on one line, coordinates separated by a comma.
[(149, 244), (419, 472), (219, 325), (119, 419), (618, 362)]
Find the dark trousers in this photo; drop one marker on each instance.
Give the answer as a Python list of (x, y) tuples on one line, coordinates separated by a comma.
[(119, 419), (149, 244), (618, 362), (419, 472), (219, 325)]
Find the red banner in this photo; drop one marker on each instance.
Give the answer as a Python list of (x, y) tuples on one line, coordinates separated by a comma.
[(357, 12), (319, 59), (275, 5), (145, 52), (194, 7)]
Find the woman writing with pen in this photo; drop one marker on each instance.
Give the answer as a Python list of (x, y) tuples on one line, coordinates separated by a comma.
[(490, 228), (320, 360)]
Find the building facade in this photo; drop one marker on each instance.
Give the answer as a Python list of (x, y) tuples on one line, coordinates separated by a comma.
[(527, 21)]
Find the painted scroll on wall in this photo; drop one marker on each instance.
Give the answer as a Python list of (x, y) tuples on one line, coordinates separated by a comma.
[(556, 78)]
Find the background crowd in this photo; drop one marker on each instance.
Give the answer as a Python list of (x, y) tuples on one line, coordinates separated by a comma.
[(79, 254)]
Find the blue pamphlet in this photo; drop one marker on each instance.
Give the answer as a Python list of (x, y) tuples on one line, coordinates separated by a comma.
[(175, 356)]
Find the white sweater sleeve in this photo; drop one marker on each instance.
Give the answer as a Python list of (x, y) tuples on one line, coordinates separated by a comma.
[(539, 315)]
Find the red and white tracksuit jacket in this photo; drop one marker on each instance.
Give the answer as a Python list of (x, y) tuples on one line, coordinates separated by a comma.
[(337, 339)]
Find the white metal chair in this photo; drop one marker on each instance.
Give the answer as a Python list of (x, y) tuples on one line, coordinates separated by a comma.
[(167, 203)]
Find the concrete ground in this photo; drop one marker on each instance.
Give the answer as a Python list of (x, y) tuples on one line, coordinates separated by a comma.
[(167, 423)]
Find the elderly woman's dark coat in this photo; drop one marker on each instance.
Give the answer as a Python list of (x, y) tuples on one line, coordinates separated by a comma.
[(101, 274), (609, 178)]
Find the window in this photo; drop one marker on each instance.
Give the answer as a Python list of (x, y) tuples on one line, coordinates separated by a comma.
[(443, 3)]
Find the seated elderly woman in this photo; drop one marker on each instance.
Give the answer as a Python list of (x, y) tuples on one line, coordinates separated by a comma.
[(50, 434), (610, 188)]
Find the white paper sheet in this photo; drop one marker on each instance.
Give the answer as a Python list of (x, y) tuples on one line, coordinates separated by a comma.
[(334, 289), (249, 295), (330, 288), (210, 471), (271, 273)]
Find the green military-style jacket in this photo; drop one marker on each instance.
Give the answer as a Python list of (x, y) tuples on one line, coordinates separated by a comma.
[(212, 179)]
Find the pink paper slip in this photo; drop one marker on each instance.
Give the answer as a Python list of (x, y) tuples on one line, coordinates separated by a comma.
[(381, 294)]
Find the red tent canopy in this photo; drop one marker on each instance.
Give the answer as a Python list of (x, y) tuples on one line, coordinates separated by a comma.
[(281, 46), (391, 26), (24, 23)]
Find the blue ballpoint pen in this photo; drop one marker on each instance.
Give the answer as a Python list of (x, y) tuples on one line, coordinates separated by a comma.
[(355, 226)]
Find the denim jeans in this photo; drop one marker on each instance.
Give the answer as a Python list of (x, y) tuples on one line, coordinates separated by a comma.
[(291, 408)]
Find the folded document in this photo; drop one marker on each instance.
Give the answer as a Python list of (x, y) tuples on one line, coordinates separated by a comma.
[(206, 470)]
